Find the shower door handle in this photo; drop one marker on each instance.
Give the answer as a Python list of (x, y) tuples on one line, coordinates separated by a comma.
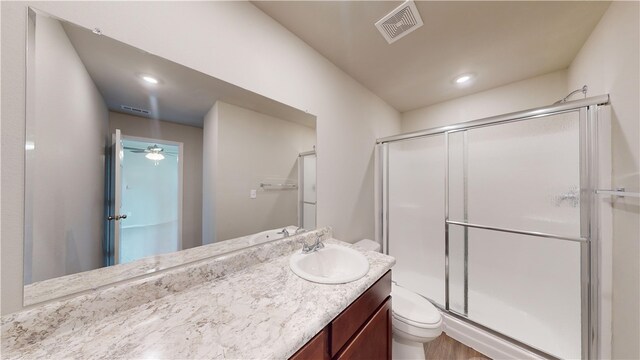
[(116, 217)]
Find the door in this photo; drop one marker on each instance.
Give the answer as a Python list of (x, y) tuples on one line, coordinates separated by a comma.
[(415, 213), (144, 216), (514, 230), (114, 196), (150, 195), (374, 340)]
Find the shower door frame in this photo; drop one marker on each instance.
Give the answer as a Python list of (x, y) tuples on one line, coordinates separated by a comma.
[(301, 202), (589, 233)]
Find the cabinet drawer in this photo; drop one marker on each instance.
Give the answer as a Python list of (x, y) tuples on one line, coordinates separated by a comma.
[(345, 325)]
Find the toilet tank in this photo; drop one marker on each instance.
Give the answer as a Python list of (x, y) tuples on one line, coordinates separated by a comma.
[(369, 245)]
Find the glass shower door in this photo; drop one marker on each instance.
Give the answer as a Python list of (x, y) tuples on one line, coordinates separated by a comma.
[(515, 234), (415, 197)]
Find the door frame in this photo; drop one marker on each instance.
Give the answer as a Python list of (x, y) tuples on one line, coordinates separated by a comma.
[(180, 146)]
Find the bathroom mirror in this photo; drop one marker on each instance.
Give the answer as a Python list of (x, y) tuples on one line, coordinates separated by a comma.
[(135, 164)]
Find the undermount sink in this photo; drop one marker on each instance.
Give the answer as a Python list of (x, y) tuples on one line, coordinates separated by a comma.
[(333, 264)]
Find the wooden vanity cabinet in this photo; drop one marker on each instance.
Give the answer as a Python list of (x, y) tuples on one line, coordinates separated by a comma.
[(361, 331)]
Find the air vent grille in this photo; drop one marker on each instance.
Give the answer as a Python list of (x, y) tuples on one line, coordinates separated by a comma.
[(400, 22), (134, 110)]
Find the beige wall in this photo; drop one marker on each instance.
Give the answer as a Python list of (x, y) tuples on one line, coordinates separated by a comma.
[(538, 91), (191, 137), (264, 58), (609, 62), (69, 133), (252, 148)]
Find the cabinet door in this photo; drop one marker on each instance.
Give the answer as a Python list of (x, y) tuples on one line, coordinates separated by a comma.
[(316, 349), (345, 326), (374, 340)]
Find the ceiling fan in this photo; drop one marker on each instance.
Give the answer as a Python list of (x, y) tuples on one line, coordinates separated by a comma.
[(153, 152)]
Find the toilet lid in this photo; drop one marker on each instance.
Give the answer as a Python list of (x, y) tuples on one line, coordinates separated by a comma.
[(413, 307)]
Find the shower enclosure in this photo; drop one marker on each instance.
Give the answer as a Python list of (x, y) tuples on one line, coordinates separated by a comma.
[(307, 190), (495, 221)]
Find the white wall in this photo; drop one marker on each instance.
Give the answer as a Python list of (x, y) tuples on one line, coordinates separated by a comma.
[(209, 173), (191, 137), (609, 62), (534, 92), (214, 38), (253, 148), (69, 133)]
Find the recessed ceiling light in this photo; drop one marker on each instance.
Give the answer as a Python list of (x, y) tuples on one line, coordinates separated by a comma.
[(149, 79), (463, 78)]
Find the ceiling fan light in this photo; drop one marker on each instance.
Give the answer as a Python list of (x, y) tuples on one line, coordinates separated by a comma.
[(154, 156)]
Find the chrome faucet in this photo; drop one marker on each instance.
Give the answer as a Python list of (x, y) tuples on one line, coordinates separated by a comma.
[(299, 230), (284, 232), (306, 249)]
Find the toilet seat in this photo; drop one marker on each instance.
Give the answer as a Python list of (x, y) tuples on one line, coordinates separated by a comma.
[(414, 316), (413, 308), (418, 324)]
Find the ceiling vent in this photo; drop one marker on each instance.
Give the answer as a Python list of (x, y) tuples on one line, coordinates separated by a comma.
[(133, 110), (400, 22)]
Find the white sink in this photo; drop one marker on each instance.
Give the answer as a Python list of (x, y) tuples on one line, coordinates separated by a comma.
[(333, 264)]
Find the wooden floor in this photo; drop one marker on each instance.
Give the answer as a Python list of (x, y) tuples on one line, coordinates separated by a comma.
[(446, 348)]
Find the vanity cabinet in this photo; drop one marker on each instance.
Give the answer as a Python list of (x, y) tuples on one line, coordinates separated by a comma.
[(316, 349), (361, 331)]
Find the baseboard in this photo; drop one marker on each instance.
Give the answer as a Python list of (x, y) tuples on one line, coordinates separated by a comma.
[(484, 342)]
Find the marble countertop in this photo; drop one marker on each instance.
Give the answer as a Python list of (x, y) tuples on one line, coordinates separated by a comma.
[(42, 291), (259, 311)]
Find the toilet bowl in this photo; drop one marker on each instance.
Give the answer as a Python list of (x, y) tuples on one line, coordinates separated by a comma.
[(415, 320)]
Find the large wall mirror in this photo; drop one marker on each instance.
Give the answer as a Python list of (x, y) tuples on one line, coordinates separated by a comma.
[(135, 164)]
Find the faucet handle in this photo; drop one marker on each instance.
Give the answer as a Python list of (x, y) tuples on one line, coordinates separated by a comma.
[(306, 248), (319, 243), (284, 232)]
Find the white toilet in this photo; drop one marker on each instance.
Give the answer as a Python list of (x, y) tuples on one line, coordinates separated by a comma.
[(416, 320)]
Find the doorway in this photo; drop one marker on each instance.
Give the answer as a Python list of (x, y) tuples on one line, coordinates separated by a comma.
[(145, 216)]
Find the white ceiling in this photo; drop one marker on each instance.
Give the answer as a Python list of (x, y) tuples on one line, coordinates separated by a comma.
[(183, 96), (500, 42)]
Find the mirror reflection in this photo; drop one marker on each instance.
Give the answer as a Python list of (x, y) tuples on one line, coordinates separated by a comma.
[(131, 158)]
